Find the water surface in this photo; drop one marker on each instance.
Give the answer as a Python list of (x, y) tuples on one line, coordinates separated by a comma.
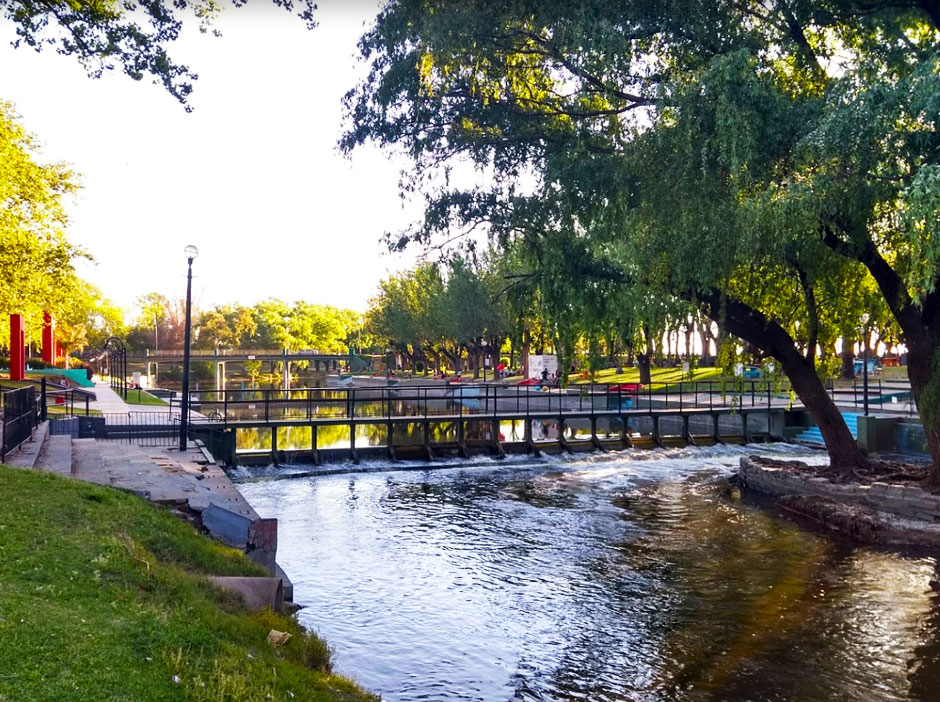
[(630, 576)]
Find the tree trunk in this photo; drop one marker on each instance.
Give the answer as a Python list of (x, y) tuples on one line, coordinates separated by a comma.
[(752, 326), (643, 363), (848, 360), (705, 337), (925, 386)]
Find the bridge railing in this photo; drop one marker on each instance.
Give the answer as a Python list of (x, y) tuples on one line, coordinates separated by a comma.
[(479, 400), (883, 395), (220, 352)]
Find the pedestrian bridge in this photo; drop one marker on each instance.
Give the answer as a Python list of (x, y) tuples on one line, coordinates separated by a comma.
[(317, 360), (424, 421)]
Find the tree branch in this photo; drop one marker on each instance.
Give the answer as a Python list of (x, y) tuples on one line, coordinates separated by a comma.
[(892, 287)]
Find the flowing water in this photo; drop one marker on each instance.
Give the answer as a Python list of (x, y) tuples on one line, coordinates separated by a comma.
[(630, 576)]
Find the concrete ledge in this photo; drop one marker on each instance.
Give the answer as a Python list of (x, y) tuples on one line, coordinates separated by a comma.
[(26, 454), (907, 501), (226, 526), (261, 543), (257, 593), (286, 584)]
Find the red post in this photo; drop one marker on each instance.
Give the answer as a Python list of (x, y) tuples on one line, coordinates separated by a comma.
[(17, 348), (48, 339)]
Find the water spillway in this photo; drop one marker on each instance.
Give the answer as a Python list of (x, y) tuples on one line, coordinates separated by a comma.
[(628, 575)]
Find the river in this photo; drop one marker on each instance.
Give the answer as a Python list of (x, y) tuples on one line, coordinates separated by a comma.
[(627, 576)]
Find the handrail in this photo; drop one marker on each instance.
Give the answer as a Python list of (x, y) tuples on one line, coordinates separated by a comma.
[(478, 400)]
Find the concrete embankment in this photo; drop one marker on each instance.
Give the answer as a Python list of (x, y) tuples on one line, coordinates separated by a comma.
[(877, 512)]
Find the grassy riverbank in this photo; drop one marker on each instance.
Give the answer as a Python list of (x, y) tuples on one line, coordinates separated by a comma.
[(102, 597)]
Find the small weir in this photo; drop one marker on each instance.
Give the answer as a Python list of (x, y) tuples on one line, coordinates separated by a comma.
[(315, 425)]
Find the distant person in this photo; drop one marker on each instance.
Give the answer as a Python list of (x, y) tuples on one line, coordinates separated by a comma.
[(545, 375)]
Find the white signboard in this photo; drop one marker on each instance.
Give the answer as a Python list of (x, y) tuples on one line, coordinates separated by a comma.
[(537, 364)]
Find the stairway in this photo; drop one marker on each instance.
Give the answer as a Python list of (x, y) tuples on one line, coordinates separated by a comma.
[(813, 435)]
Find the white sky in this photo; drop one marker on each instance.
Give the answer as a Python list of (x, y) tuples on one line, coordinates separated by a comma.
[(251, 177)]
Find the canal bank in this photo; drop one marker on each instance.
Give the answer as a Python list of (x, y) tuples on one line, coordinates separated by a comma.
[(871, 511), (189, 482), (107, 597)]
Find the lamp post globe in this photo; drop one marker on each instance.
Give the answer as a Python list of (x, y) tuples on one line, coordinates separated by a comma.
[(190, 252)]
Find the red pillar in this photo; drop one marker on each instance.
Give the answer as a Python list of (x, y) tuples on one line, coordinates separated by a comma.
[(17, 348), (48, 339)]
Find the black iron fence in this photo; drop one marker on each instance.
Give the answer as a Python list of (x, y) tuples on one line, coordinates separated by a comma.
[(67, 402), (20, 414), (142, 428), (883, 395), (478, 399)]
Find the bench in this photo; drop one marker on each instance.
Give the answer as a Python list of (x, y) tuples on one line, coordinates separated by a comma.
[(626, 387)]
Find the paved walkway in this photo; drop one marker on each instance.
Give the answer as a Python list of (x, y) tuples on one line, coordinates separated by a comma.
[(109, 402)]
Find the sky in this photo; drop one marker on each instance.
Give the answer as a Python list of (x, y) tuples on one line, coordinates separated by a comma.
[(251, 177)]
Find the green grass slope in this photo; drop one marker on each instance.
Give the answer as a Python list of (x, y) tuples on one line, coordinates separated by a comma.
[(102, 597)]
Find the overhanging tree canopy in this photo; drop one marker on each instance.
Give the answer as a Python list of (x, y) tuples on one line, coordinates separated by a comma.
[(734, 154), (129, 35)]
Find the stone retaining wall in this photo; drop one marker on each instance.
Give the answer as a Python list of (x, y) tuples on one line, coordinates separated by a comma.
[(902, 500)]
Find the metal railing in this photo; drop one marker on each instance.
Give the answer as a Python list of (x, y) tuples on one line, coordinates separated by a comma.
[(141, 428), (883, 395), (20, 415), (470, 400), (69, 401)]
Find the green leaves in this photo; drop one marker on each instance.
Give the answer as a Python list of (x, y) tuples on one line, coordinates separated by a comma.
[(131, 36), (36, 271), (274, 324)]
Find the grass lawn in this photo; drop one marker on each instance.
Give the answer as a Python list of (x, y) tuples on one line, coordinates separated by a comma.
[(142, 397), (102, 597), (660, 376), (62, 410)]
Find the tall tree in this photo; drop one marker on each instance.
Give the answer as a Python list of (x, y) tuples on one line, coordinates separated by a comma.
[(36, 270), (732, 154)]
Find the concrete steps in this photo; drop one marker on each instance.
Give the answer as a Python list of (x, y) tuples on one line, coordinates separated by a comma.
[(814, 436), (55, 456)]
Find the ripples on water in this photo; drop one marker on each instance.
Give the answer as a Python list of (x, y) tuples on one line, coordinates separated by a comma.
[(631, 576)]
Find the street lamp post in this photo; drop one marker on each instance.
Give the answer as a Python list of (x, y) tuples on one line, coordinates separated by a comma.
[(485, 359), (865, 363), (191, 253)]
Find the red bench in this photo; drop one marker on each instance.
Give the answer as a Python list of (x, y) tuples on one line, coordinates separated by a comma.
[(626, 387)]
